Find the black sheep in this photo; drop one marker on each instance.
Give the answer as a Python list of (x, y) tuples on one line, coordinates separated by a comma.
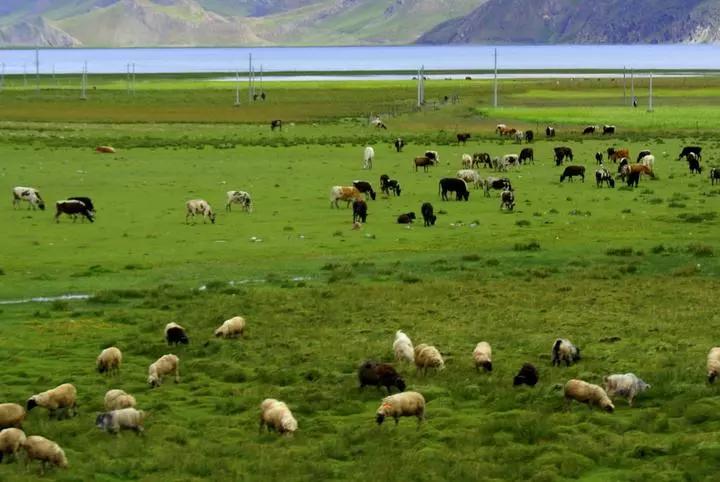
[(528, 375), (375, 374), (175, 335)]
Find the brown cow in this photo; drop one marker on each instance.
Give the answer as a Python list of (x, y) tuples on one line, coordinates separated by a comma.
[(615, 154), (344, 193), (105, 149), (633, 172), (423, 162)]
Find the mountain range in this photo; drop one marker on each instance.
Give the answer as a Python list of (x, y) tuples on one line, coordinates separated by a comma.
[(138, 23)]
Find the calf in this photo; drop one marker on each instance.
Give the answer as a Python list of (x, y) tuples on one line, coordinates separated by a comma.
[(589, 130), (507, 200), (276, 124), (344, 193), (85, 200), (694, 163), (463, 137), (239, 197), (399, 144), (387, 185), (642, 154), (428, 215), (407, 218), (622, 169), (199, 207), (481, 158), (519, 136), (602, 175), (598, 157), (607, 130), (365, 188), (72, 208), (714, 175), (529, 136), (549, 131), (561, 153), (423, 162), (497, 183), (28, 194), (359, 211), (572, 171), (691, 149), (526, 154), (452, 184), (633, 172)]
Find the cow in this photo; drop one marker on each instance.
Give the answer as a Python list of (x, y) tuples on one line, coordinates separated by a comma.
[(634, 171), (433, 155), (469, 176), (365, 188), (344, 193), (648, 160), (376, 122), (507, 199), (714, 175), (509, 160), (72, 208), (615, 154), (529, 136), (623, 167), (406, 218), (199, 207), (642, 154), (549, 131), (589, 130), (105, 149), (497, 183), (28, 194), (599, 157), (507, 132), (428, 215), (359, 211), (368, 156), (608, 130), (423, 162), (85, 200), (453, 184), (602, 175), (276, 124), (399, 144), (527, 154), (688, 149), (387, 185), (239, 197), (500, 128), (572, 171), (694, 163), (463, 137), (466, 161), (481, 158), (519, 136), (561, 153)]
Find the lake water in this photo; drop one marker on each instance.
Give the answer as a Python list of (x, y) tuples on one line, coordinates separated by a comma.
[(327, 59)]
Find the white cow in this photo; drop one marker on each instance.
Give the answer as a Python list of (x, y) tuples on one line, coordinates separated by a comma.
[(648, 161), (470, 176), (29, 194), (199, 207), (368, 157), (467, 161), (239, 197)]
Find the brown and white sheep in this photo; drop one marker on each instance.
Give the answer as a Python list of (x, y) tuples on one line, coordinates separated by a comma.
[(428, 357), (231, 328), (165, 365), (11, 440), (109, 360), (405, 404), (276, 415), (116, 399), (584, 392), (11, 415), (44, 450), (58, 398)]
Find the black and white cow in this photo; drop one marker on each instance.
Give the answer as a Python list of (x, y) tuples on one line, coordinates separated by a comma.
[(497, 183), (276, 124), (85, 200), (550, 131), (481, 158), (694, 163), (714, 175), (507, 200), (453, 184), (388, 185), (399, 144), (72, 208), (589, 130), (239, 197), (642, 154), (607, 130), (602, 175), (365, 188), (691, 149), (28, 194), (599, 157)]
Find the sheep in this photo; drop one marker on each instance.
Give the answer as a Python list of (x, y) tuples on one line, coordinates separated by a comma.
[(11, 415), (165, 365), (118, 399), (175, 334), (44, 450), (11, 439), (713, 364), (380, 374), (276, 415), (627, 385), (564, 351), (109, 360), (61, 397), (584, 392), (428, 357), (403, 347), (124, 418), (528, 375), (405, 404), (231, 328), (483, 356)]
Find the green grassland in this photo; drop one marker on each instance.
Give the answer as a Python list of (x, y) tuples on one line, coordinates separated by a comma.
[(630, 275)]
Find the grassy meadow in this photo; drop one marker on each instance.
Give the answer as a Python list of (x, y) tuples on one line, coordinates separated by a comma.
[(630, 275)]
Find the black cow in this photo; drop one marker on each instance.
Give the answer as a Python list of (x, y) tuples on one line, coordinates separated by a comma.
[(387, 185), (561, 153), (399, 144), (526, 154), (589, 130), (365, 188), (598, 157), (481, 158), (550, 131), (633, 178), (453, 184), (528, 375), (572, 171), (72, 208), (688, 149), (714, 175), (463, 137), (276, 124), (359, 211), (428, 214), (407, 218), (694, 163), (85, 200), (529, 136), (608, 130), (643, 154)]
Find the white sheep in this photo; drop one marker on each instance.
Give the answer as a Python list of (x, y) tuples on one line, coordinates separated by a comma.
[(164, 365), (11, 415), (109, 360), (483, 356), (60, 397), (231, 328), (713, 364), (405, 404), (117, 399), (124, 418), (403, 347), (275, 414), (627, 385), (584, 392), (44, 450), (427, 356), (11, 439), (564, 351)]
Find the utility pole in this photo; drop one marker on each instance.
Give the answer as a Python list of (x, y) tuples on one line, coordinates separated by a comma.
[(250, 80), (24, 75), (2, 77), (133, 78), (632, 86), (37, 70), (421, 87), (495, 86), (127, 78), (624, 87), (83, 84), (237, 88), (650, 100)]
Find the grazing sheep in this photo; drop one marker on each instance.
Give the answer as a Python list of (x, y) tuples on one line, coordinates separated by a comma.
[(380, 374), (528, 375), (713, 364), (11, 439), (124, 418), (109, 360), (44, 450), (117, 399), (564, 351), (405, 404), (231, 328), (165, 365), (60, 397), (584, 392), (627, 385), (11, 415), (274, 414), (428, 357), (403, 347), (406, 218), (175, 334), (483, 356)]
